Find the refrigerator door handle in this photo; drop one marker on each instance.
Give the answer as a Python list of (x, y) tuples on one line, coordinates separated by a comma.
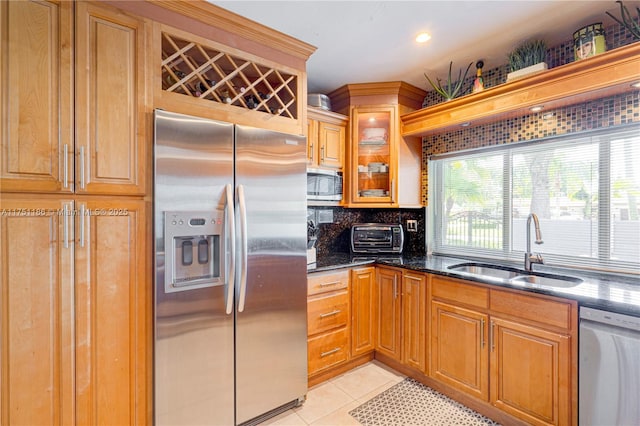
[(231, 238), (242, 207)]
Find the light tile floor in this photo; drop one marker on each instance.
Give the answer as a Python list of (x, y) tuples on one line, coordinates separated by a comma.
[(329, 403)]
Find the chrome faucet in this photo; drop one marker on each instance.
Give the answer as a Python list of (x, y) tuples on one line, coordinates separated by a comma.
[(529, 257)]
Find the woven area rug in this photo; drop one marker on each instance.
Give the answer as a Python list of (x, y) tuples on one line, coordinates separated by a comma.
[(410, 403)]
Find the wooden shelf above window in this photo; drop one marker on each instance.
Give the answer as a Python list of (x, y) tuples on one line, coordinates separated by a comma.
[(603, 75)]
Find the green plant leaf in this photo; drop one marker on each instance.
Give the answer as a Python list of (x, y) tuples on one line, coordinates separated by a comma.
[(451, 89), (626, 20)]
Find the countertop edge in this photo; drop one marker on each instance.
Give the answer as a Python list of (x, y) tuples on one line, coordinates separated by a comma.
[(607, 287)]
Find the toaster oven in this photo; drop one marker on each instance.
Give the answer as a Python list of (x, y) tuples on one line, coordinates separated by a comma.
[(377, 238)]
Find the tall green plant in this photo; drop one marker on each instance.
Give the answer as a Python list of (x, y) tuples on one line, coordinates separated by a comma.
[(528, 53), (451, 89), (627, 20)]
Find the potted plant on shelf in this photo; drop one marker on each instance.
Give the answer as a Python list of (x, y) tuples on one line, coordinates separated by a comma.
[(526, 59), (451, 89), (627, 20)]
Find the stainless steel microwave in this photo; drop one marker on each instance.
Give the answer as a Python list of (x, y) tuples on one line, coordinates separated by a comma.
[(324, 185)]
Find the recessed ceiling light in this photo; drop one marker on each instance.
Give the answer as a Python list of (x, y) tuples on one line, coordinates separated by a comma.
[(636, 84), (372, 119), (537, 108), (465, 124), (423, 37)]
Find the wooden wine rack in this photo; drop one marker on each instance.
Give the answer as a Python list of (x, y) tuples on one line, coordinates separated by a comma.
[(192, 69)]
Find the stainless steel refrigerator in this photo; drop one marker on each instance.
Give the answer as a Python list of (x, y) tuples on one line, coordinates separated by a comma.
[(230, 284)]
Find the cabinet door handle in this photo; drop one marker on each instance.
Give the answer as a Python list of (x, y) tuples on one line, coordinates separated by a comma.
[(395, 286), (482, 342), (393, 191), (322, 153), (82, 177), (329, 283), (332, 351), (330, 314), (491, 336), (311, 150), (65, 166), (65, 228), (82, 212)]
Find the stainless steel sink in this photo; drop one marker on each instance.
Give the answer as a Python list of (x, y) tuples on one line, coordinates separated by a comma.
[(514, 275), (547, 280), (487, 270)]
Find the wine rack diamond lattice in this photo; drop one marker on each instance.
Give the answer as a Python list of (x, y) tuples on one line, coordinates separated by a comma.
[(192, 69)]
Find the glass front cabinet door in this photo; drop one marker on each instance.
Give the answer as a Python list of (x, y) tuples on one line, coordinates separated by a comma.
[(374, 151)]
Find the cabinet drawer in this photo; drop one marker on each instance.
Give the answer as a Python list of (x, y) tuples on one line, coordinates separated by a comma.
[(468, 294), (328, 281), (327, 312), (327, 350), (552, 312)]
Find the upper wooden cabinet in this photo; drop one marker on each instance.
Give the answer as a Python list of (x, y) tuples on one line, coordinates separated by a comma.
[(602, 75), (207, 61), (36, 93), (104, 152), (383, 167), (374, 151), (326, 133), (111, 84)]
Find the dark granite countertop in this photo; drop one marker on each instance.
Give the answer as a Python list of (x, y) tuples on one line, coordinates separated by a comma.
[(611, 292)]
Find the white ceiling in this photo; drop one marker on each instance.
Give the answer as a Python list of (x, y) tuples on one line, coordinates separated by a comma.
[(372, 41)]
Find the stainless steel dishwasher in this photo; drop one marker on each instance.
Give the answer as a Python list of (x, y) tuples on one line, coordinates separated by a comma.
[(609, 368)]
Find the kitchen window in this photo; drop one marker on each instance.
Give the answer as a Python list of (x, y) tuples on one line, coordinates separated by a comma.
[(584, 188)]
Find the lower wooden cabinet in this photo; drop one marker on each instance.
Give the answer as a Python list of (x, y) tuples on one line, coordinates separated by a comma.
[(401, 316), (388, 312), (328, 350), (75, 307), (327, 311), (112, 312), (414, 320), (327, 320), (510, 349), (37, 305), (530, 372), (459, 351), (363, 313)]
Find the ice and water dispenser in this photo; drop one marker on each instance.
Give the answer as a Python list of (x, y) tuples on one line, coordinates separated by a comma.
[(193, 250)]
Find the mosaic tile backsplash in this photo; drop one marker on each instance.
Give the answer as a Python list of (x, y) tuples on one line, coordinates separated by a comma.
[(336, 237), (597, 114)]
